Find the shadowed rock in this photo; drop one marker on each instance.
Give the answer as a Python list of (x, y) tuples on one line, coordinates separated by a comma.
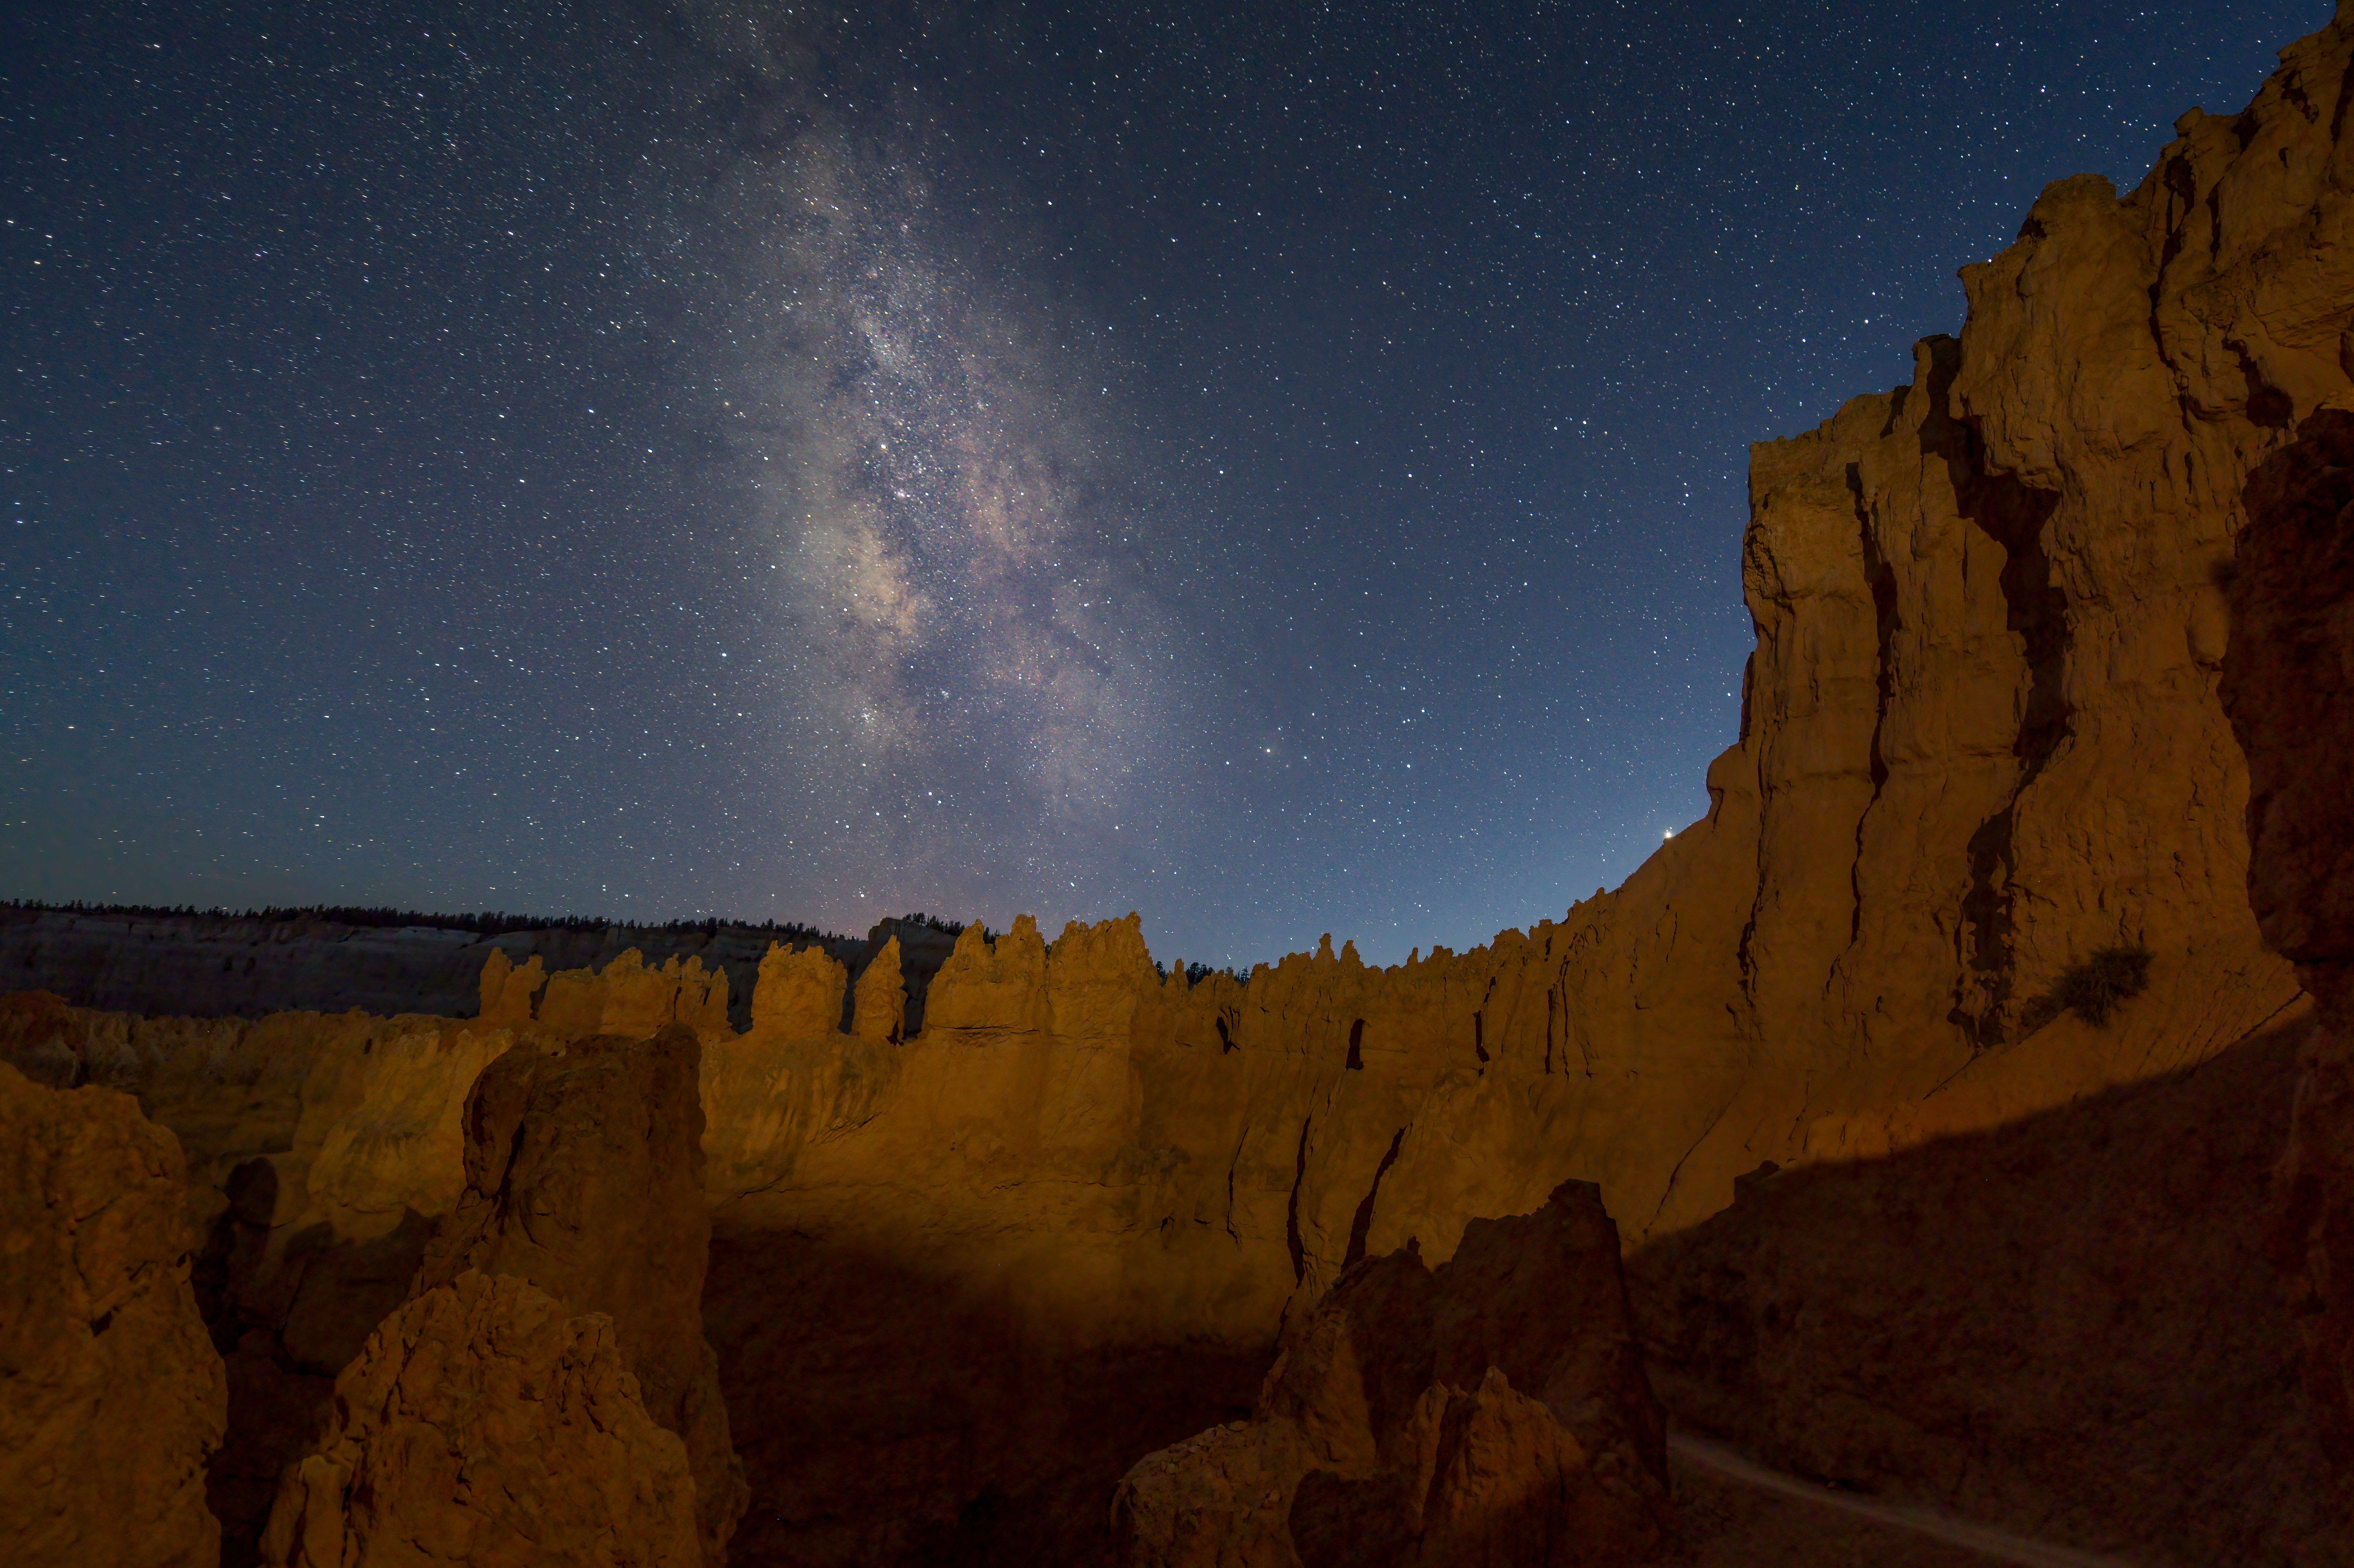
[(2064, 1327), (1491, 1411), (2288, 683)]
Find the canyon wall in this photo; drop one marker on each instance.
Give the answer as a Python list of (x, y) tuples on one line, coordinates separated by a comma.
[(970, 1261)]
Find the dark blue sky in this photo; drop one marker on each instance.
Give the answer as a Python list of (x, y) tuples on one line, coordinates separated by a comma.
[(1278, 469)]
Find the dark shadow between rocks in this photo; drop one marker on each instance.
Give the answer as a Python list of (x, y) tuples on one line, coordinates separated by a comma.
[(889, 1416)]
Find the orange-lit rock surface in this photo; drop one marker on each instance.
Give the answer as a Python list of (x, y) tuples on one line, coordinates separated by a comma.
[(2289, 683), (483, 1424), (1490, 1411), (111, 1395), (584, 1176)]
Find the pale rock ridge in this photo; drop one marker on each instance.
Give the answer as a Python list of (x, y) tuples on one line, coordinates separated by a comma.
[(112, 1397), (483, 1424)]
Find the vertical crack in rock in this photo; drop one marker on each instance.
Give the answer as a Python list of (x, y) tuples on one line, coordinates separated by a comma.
[(1356, 1061), (2345, 96), (1882, 579), (1676, 1174), (1361, 1226), (1225, 1040), (2012, 515), (1480, 1030), (1291, 1217), (2182, 196)]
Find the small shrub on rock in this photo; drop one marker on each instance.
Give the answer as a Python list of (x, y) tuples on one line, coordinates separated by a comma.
[(2092, 989)]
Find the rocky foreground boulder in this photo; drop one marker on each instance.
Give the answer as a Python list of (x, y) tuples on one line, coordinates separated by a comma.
[(1491, 1411), (486, 1425), (112, 1395), (584, 1176)]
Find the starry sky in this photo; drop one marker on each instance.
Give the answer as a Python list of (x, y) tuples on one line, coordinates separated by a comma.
[(1275, 468)]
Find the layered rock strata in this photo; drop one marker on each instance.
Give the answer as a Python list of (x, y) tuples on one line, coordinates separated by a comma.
[(2289, 684), (112, 1397), (584, 1176), (484, 1426), (1492, 1410)]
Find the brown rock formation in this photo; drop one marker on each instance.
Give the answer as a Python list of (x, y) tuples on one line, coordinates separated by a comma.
[(584, 1175), (484, 1426), (2288, 681), (1490, 1411), (111, 1395)]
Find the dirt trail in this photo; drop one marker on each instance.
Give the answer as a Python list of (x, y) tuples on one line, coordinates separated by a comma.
[(1982, 1542)]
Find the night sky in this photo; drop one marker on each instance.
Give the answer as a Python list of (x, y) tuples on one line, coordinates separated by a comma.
[(1277, 469)]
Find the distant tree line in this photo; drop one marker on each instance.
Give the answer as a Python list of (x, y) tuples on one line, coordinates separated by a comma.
[(1196, 973), (488, 923)]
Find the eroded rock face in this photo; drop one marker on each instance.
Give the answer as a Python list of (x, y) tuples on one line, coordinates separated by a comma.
[(484, 1424), (2288, 681), (112, 1397), (584, 1175), (1491, 1411)]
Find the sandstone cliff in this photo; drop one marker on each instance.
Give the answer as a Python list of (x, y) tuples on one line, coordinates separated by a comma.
[(110, 1396)]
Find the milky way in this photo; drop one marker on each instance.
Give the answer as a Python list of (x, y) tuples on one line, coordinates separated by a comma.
[(940, 484), (1273, 469)]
